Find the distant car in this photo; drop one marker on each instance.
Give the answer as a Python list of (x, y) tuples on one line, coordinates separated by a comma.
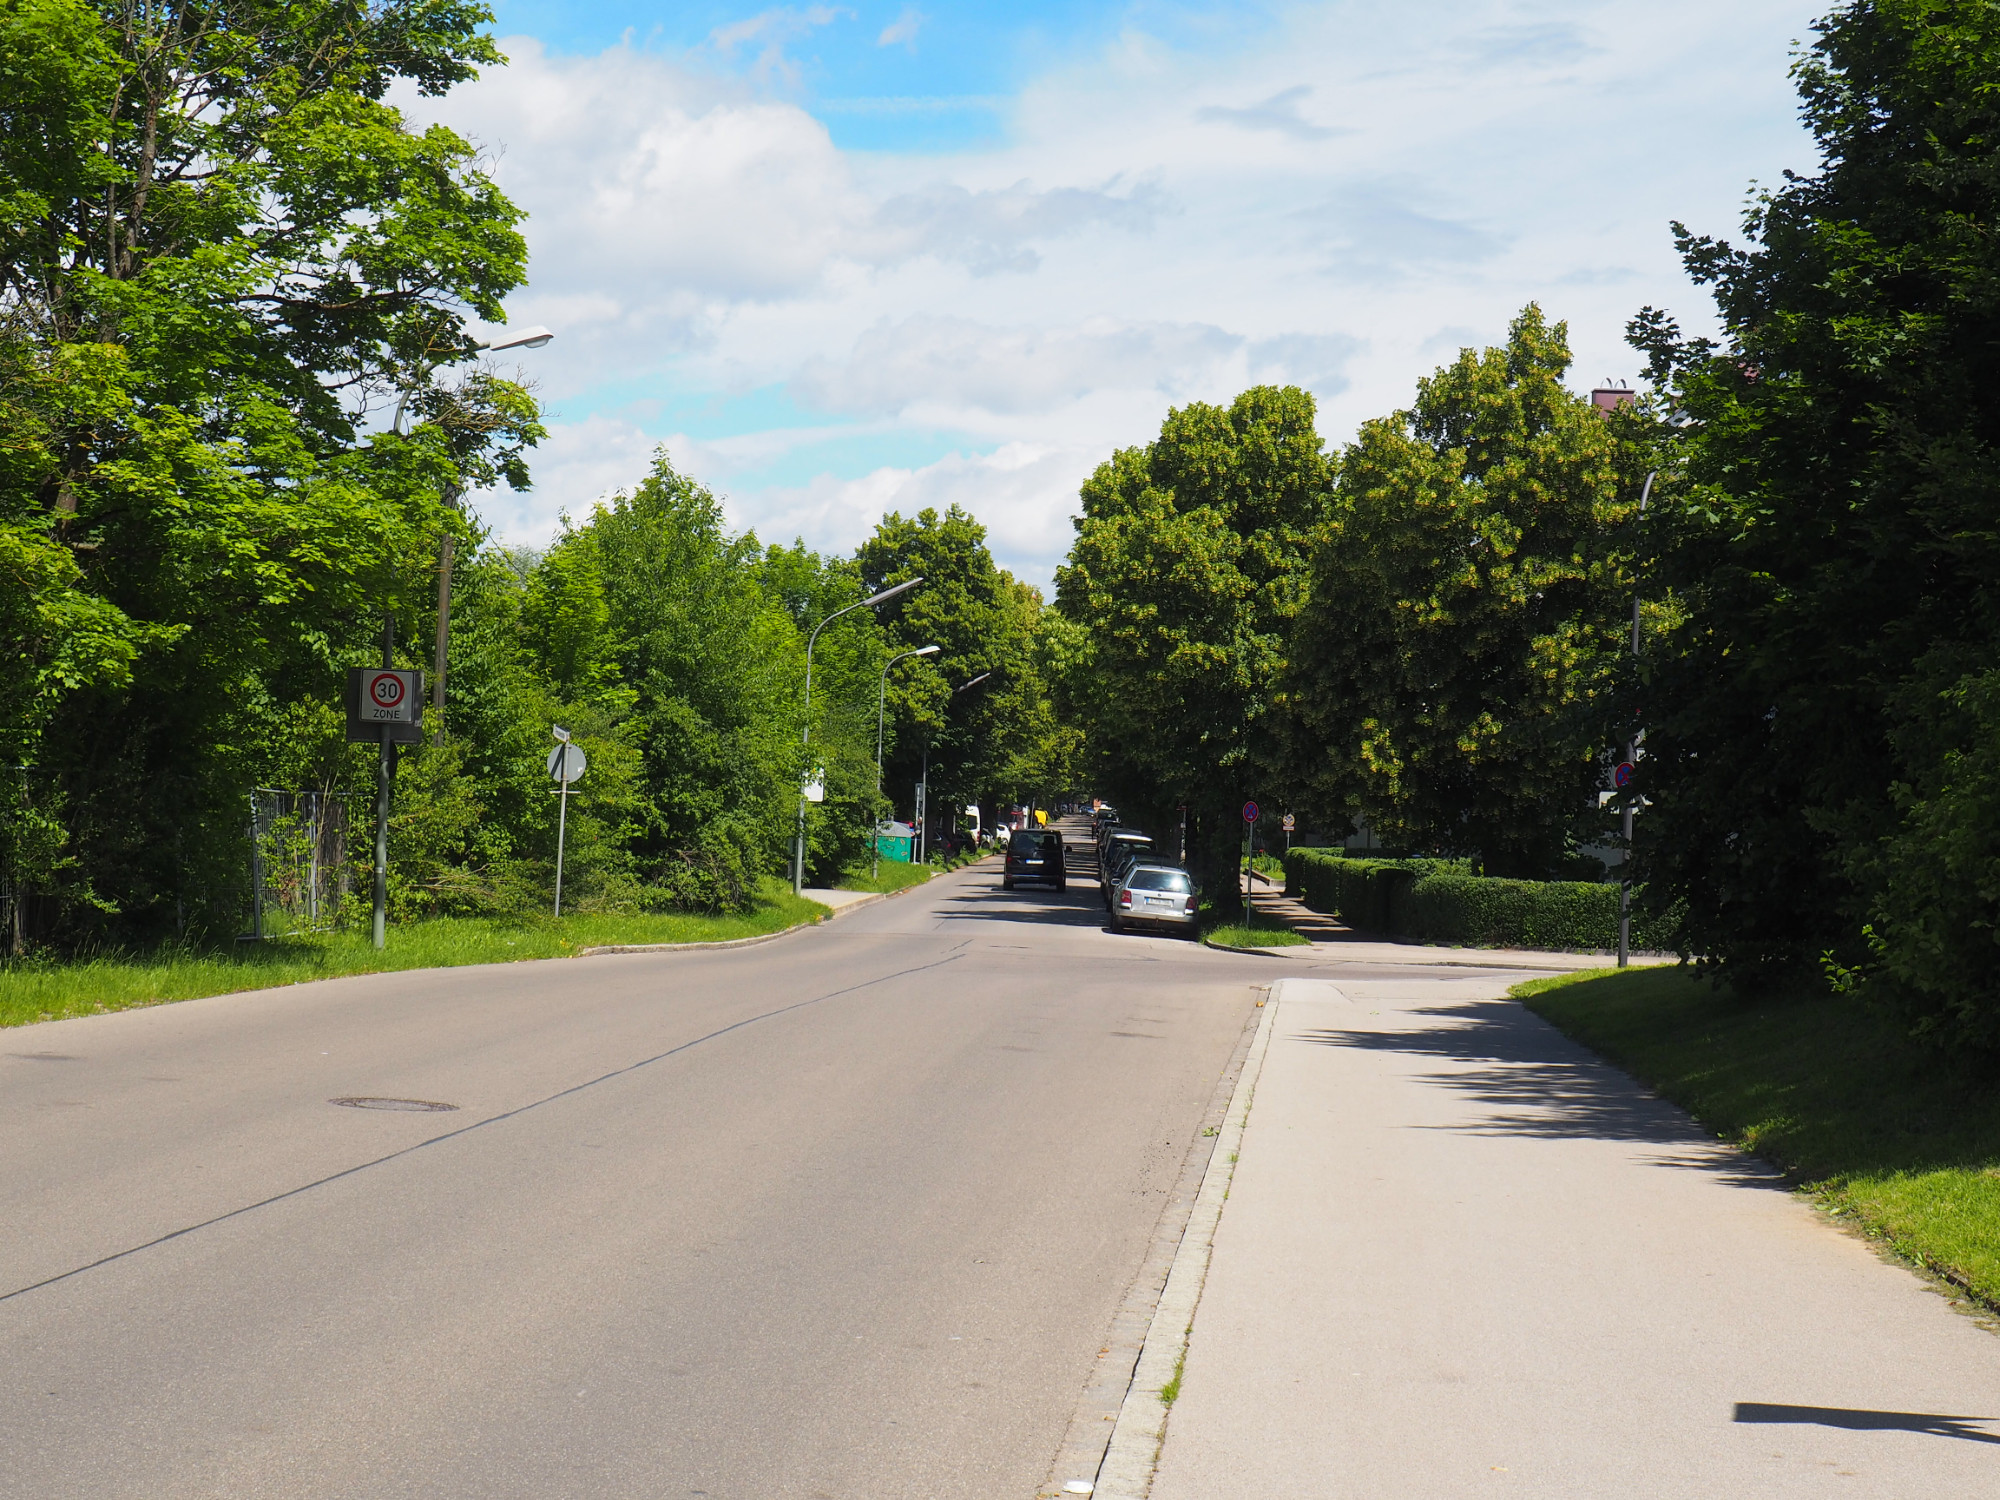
[(1034, 854), (1119, 848), (1154, 894)]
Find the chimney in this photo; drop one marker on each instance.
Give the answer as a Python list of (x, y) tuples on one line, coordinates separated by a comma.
[(1609, 397)]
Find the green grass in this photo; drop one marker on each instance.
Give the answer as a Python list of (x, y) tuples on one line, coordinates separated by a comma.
[(1902, 1142), (45, 990), (1171, 1391), (1256, 930), (895, 876)]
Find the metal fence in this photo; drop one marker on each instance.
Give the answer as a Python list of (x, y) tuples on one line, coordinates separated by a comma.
[(299, 875)]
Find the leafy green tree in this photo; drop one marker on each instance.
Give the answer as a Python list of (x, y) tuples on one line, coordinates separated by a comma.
[(979, 618), (1821, 733), (713, 665), (846, 665), (1186, 575), (222, 251), (1453, 675)]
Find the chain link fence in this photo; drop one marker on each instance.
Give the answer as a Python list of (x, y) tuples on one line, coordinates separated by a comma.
[(299, 874)]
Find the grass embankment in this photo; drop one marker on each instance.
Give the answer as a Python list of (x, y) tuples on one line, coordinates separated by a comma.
[(895, 875), (47, 990), (1898, 1140)]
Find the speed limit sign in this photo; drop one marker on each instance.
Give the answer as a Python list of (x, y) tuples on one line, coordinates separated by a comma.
[(383, 702)]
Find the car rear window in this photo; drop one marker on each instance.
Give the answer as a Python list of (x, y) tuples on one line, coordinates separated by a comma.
[(1159, 880)]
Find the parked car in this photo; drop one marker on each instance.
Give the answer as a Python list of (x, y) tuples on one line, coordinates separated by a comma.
[(1034, 854), (1119, 848), (1155, 894)]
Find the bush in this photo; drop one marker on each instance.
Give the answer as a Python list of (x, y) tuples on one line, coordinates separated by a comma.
[(1440, 901)]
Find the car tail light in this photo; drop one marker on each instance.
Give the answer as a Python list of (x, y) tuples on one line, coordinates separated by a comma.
[(1189, 908), (1124, 898)]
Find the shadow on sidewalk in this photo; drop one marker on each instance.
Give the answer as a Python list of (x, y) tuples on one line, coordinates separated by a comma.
[(1530, 1080), (1854, 1419)]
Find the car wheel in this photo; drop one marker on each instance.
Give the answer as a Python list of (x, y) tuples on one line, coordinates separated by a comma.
[(1062, 885), (1007, 882)]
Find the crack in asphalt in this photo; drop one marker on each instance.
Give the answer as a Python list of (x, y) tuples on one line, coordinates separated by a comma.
[(450, 1135)]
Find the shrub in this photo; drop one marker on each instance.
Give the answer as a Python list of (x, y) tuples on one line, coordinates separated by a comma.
[(1440, 901)]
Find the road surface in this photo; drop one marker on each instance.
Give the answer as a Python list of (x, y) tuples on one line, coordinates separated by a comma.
[(842, 1215)]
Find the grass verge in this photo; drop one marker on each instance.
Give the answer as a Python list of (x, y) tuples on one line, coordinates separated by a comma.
[(45, 990), (1900, 1141), (895, 875), (1255, 930)]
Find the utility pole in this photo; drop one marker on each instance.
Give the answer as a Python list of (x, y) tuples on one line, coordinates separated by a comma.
[(385, 775), (1632, 760)]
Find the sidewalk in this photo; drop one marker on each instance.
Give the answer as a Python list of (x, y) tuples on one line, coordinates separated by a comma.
[(1462, 1257)]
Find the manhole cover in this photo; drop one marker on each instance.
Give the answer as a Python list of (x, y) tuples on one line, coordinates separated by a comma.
[(412, 1106)]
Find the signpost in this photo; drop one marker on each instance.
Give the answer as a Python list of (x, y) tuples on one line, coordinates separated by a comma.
[(386, 707), (566, 764), (1250, 815), (1289, 825)]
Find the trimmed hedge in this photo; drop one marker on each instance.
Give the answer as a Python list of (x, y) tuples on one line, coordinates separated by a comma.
[(1441, 901)]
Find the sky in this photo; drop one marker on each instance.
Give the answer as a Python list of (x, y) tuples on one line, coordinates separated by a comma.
[(838, 260)]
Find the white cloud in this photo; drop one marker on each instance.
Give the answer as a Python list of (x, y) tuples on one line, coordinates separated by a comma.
[(944, 367), (1280, 112), (1153, 226), (903, 30)]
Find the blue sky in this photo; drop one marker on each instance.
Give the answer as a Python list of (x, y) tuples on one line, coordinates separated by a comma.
[(838, 259)]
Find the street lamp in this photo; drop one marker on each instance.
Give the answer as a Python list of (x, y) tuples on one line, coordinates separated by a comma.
[(799, 841), (881, 699), (534, 337)]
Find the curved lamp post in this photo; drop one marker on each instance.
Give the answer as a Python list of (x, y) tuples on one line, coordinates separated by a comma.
[(881, 699), (799, 841), (533, 337)]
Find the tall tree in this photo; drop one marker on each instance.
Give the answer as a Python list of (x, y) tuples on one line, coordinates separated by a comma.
[(1452, 675), (221, 249), (1186, 574), (1822, 732)]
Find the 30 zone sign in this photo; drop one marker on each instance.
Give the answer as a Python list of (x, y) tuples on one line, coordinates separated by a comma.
[(379, 699)]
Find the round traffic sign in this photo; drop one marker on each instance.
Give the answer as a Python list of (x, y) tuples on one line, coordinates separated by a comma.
[(566, 763), (1249, 812), (1622, 775), (385, 689)]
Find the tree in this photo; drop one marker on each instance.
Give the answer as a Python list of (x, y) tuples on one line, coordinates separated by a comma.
[(221, 249), (1820, 732), (1452, 675), (1186, 574), (673, 610), (978, 617)]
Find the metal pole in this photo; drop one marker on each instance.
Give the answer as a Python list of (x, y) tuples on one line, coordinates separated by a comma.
[(875, 827), (256, 875), (443, 637), (384, 770), (805, 738), (562, 818), (1631, 759), (924, 806)]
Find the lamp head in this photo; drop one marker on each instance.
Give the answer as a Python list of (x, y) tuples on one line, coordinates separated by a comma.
[(891, 592), (527, 338), (927, 651)]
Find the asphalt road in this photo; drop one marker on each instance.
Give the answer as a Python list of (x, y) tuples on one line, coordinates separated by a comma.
[(842, 1215)]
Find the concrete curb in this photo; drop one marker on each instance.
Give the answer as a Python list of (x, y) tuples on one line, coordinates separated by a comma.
[(1127, 1472)]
